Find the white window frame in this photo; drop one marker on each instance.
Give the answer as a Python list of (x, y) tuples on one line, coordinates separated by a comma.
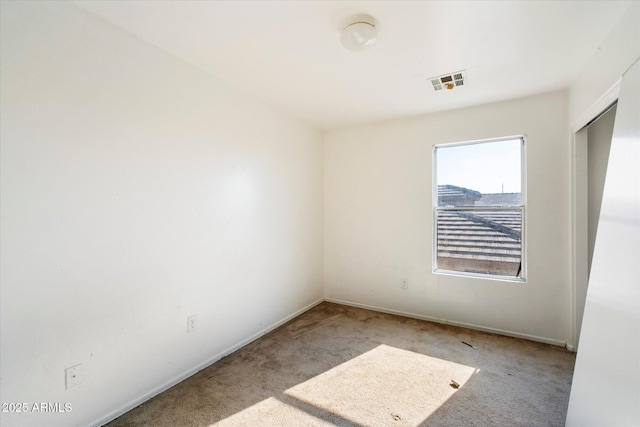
[(522, 207)]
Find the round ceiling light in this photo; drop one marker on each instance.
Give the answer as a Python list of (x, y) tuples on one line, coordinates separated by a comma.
[(360, 33)]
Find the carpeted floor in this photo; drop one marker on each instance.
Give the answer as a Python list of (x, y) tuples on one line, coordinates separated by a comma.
[(344, 366)]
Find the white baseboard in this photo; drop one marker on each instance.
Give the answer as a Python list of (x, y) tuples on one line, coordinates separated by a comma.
[(451, 322), (168, 384)]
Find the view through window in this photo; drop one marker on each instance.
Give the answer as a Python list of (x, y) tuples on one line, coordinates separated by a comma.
[(479, 209)]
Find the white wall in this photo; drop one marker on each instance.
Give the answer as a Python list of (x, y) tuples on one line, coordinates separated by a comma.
[(137, 191), (606, 382), (588, 94), (378, 219)]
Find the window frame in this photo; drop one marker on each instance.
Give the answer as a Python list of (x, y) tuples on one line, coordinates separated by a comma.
[(522, 278)]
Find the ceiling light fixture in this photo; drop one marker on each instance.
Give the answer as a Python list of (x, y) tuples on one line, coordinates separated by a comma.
[(360, 33)]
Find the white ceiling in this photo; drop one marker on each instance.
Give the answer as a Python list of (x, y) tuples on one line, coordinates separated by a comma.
[(288, 54)]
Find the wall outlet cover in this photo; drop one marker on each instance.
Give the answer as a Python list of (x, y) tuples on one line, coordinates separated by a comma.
[(73, 376)]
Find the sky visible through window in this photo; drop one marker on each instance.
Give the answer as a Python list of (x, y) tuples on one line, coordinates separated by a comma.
[(491, 167)]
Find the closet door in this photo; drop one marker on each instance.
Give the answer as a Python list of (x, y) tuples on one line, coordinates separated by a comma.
[(606, 382)]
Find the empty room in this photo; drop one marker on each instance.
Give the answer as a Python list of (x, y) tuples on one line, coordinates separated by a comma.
[(319, 213)]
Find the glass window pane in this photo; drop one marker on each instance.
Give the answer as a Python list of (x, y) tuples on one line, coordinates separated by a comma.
[(480, 174), (480, 241)]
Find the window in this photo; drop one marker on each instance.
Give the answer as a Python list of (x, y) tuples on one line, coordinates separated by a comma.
[(479, 190)]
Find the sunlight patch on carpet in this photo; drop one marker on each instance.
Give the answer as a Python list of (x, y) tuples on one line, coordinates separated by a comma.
[(385, 386)]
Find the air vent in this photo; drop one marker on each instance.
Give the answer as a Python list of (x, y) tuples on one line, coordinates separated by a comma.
[(449, 81)]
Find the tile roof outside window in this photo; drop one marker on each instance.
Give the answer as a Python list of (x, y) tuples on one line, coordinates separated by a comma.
[(480, 241)]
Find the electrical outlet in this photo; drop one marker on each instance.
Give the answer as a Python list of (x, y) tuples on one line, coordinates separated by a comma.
[(404, 283), (191, 323), (73, 376)]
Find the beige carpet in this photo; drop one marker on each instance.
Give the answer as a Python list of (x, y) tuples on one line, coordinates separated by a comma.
[(337, 365)]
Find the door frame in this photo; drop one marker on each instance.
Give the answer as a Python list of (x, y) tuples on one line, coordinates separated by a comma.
[(579, 212)]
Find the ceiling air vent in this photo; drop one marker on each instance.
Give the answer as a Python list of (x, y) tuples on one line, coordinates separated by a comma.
[(449, 81)]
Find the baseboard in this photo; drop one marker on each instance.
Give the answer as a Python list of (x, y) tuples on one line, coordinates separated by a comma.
[(451, 322), (168, 384)]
